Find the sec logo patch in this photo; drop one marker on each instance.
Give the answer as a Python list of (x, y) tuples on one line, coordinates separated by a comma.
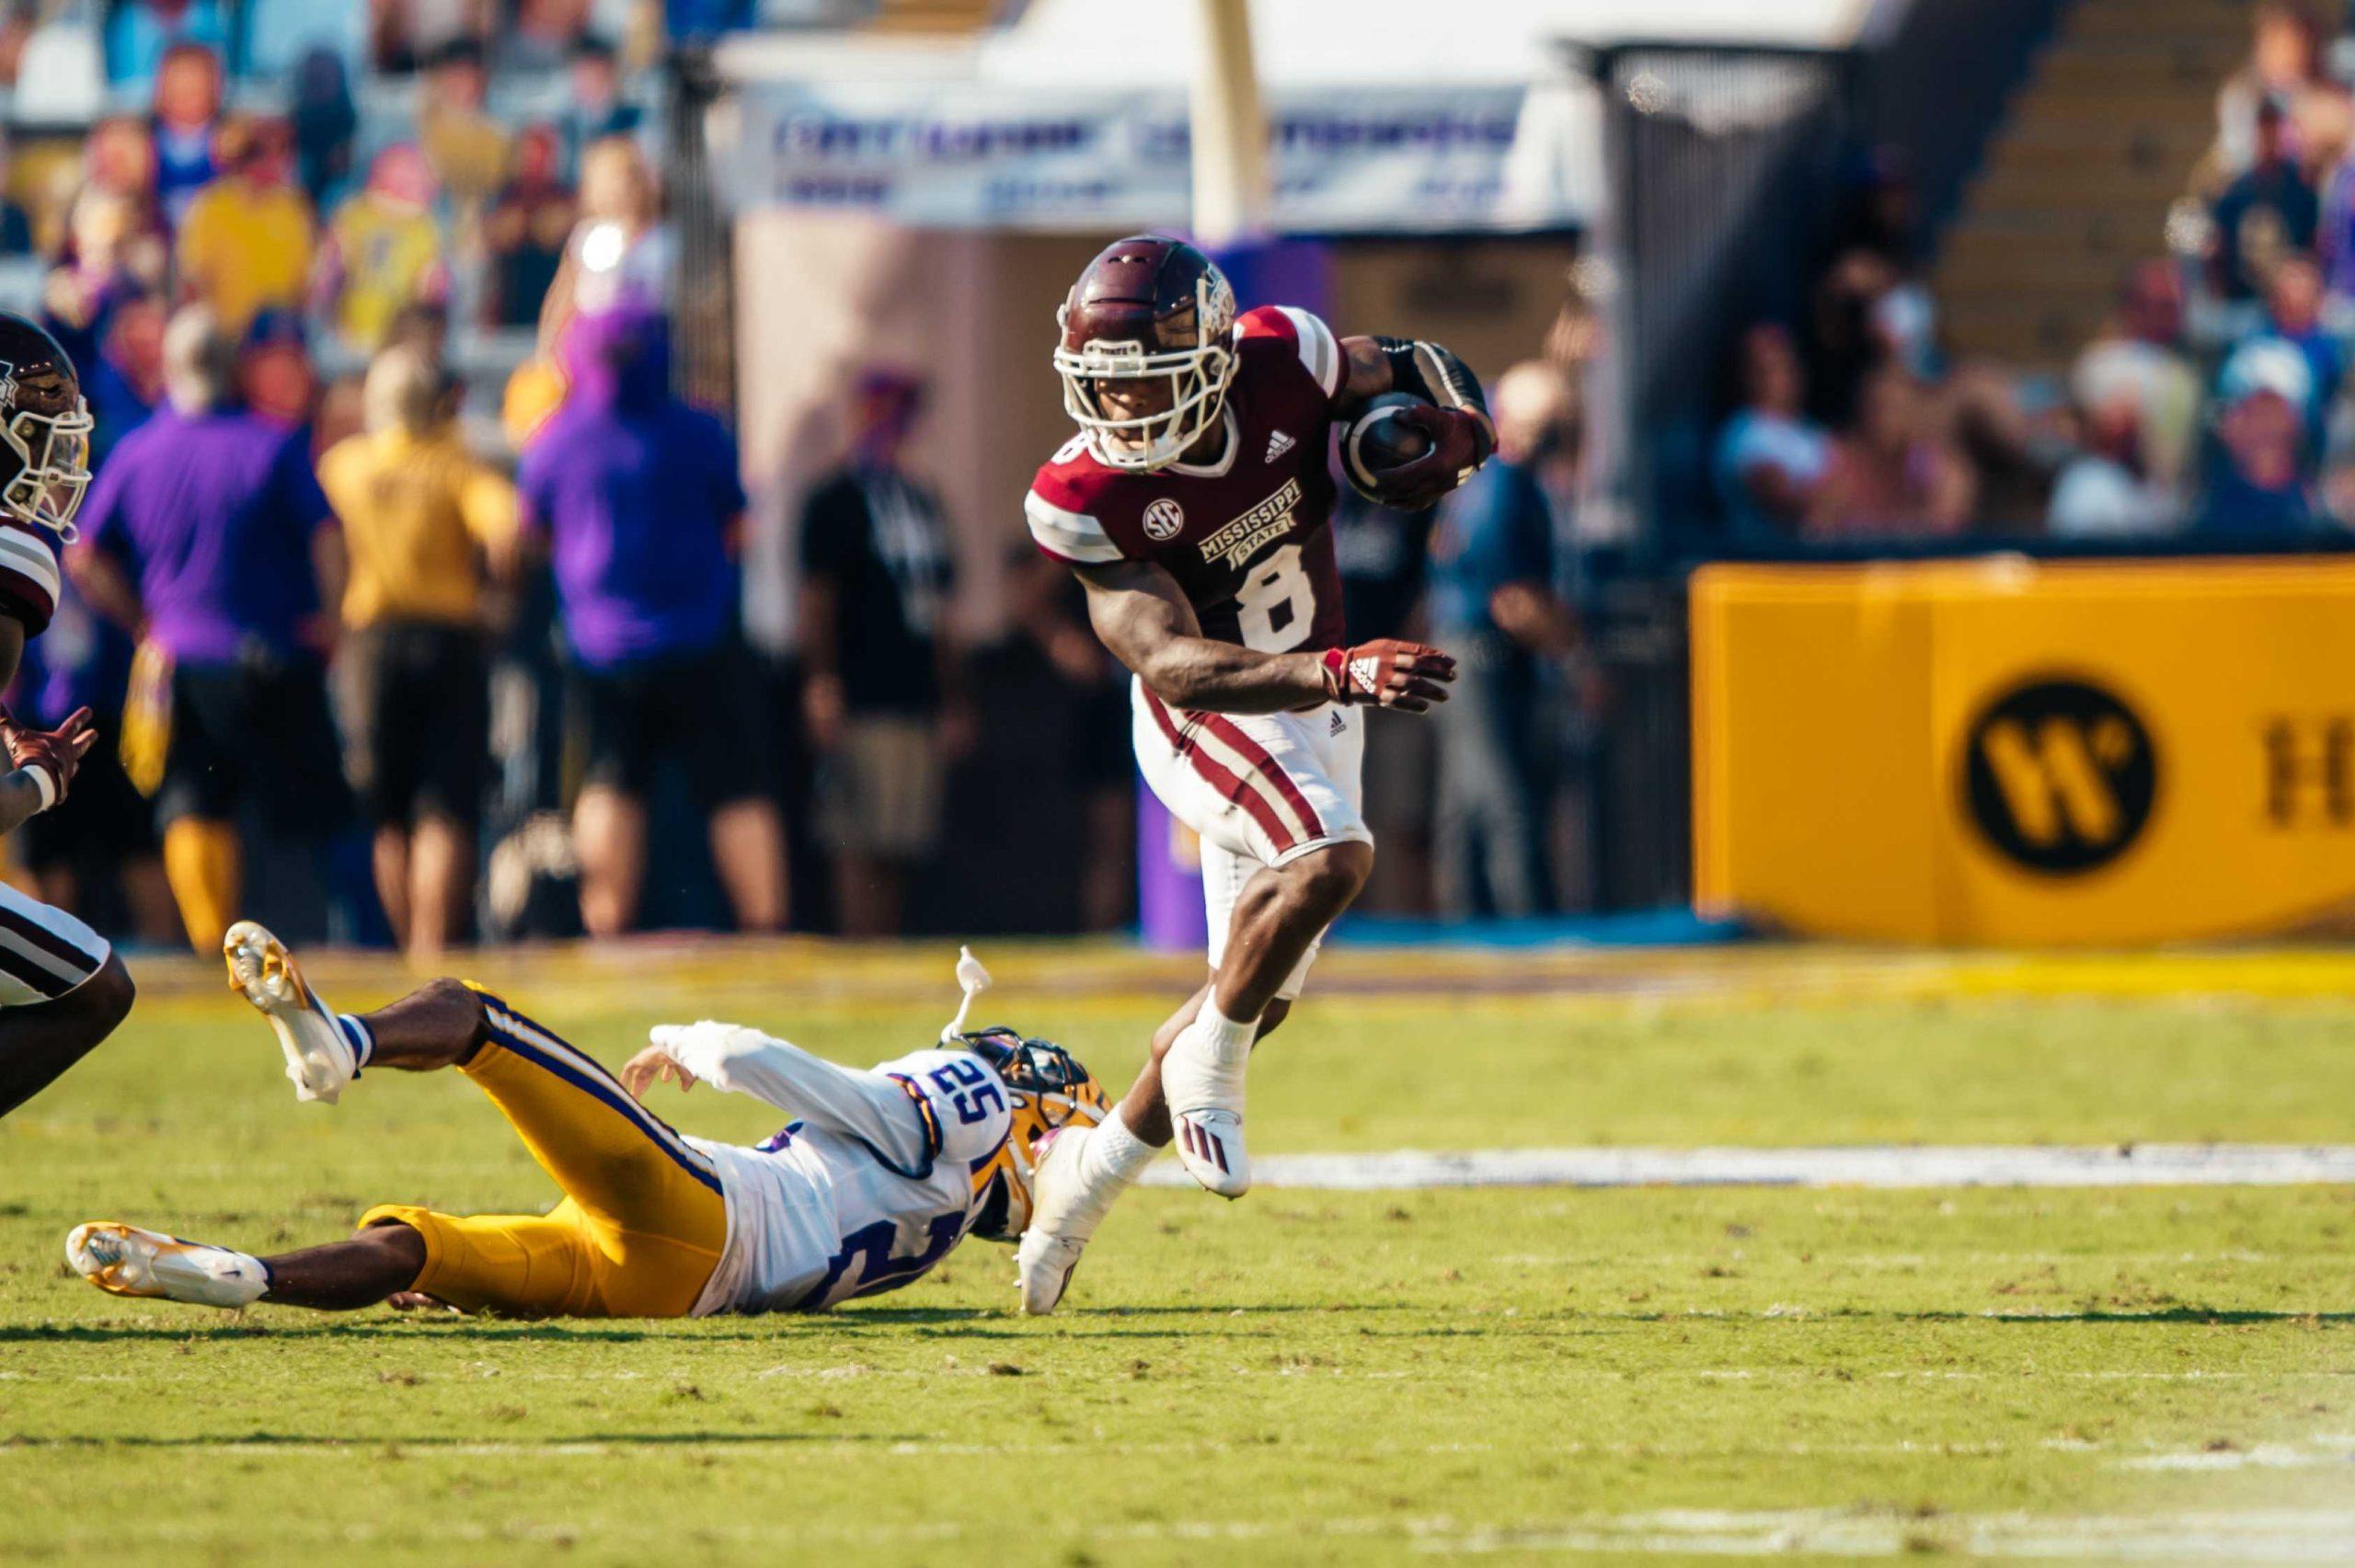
[(1163, 519)]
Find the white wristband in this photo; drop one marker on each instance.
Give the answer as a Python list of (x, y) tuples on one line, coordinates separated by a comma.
[(44, 785)]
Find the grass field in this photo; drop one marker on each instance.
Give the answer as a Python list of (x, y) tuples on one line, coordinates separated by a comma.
[(1655, 1375)]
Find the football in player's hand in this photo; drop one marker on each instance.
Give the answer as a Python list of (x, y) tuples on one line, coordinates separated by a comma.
[(1380, 441)]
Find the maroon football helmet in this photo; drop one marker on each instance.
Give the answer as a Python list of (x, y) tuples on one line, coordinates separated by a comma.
[(44, 428), (1147, 309)]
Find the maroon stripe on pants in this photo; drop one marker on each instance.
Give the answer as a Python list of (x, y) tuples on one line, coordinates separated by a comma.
[(1239, 791), (1226, 729)]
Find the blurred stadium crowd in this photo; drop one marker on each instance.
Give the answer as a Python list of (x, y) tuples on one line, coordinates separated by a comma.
[(387, 218), (2213, 404), (313, 262), (409, 587)]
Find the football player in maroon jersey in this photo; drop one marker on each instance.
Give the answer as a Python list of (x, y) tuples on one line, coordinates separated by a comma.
[(1193, 505), (63, 990)]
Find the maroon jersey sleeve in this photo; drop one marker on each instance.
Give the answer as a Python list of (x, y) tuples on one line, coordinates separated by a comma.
[(29, 577), (1312, 343), (1077, 513), (1065, 509)]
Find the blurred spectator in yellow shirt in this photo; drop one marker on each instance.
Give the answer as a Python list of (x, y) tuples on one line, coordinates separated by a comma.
[(383, 250), (425, 523), (246, 244)]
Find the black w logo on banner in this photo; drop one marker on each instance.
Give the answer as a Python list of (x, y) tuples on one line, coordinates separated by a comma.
[(2059, 776)]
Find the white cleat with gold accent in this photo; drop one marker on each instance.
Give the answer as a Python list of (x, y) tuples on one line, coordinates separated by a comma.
[(1062, 1217), (320, 1058), (123, 1260)]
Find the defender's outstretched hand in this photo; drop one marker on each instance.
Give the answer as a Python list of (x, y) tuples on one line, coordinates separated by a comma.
[(654, 1065), (1389, 674)]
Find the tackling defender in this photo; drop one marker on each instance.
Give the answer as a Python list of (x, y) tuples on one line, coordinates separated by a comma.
[(63, 990), (1193, 505), (880, 1176)]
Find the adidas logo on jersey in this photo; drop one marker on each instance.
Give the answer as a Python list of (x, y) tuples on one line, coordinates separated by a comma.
[(1279, 444), (1339, 724)]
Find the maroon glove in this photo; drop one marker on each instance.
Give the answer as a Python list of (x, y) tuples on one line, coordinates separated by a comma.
[(1460, 442), (53, 754), (1387, 673)]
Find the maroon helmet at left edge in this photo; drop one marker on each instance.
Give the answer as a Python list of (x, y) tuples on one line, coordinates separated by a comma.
[(44, 428)]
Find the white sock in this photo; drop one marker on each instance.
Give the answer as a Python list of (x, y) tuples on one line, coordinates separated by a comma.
[(1111, 1157), (242, 1277), (1229, 1040), (356, 1036)]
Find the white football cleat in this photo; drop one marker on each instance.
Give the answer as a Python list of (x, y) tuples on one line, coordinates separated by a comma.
[(1205, 1100), (319, 1059), (123, 1260), (1062, 1217)]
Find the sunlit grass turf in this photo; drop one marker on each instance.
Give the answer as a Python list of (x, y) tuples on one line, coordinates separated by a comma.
[(1298, 1377)]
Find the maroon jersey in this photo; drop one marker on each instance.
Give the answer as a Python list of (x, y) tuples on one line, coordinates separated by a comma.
[(28, 575), (1247, 537)]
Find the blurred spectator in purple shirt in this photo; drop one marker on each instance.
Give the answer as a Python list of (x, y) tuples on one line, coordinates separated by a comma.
[(635, 499), (188, 113), (207, 537)]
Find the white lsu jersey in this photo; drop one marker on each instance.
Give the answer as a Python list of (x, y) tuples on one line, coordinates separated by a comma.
[(866, 1192)]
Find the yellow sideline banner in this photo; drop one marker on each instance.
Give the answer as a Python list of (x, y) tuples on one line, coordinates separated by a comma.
[(2009, 752)]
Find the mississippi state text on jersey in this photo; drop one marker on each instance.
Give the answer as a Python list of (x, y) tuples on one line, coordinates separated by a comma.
[(1247, 534)]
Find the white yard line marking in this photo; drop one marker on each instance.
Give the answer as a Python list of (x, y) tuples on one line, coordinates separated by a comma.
[(1883, 1166), (2238, 1536), (2253, 1536)]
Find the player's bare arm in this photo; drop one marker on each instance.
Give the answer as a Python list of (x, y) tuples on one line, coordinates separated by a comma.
[(1143, 618), (41, 763)]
